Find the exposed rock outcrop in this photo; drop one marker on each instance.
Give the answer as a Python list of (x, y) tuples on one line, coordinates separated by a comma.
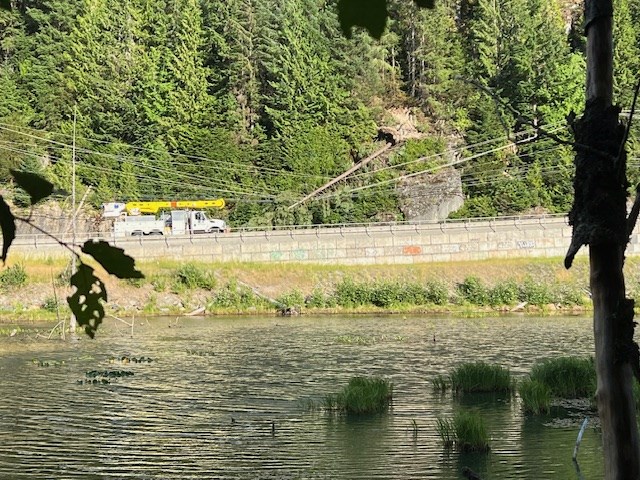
[(431, 196)]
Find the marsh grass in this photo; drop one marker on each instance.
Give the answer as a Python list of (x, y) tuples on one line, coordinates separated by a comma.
[(467, 431), (362, 395), (440, 384), (446, 431), (535, 396), (567, 377), (480, 377)]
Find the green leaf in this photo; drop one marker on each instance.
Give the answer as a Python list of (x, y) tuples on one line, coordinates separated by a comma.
[(112, 259), (425, 3), (86, 301), (7, 226), (36, 186), (370, 14), (5, 4)]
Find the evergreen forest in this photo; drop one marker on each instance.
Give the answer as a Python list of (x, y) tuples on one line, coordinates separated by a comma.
[(261, 102)]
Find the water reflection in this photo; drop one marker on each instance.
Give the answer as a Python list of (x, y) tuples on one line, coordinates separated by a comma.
[(221, 399)]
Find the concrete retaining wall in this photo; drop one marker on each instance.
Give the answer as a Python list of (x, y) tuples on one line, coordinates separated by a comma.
[(390, 244)]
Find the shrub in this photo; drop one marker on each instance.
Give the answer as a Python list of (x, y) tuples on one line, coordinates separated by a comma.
[(50, 304), (480, 377), (191, 276), (569, 295), (503, 293), (436, 293), (291, 299), (14, 276), (535, 293), (472, 290), (567, 377), (351, 294), (362, 395), (316, 299), (467, 431), (233, 296), (535, 395)]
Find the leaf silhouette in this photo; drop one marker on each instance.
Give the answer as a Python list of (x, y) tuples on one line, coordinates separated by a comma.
[(86, 301), (8, 228), (425, 3), (36, 186), (112, 259), (370, 14)]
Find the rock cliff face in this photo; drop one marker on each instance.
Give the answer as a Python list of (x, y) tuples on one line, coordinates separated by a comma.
[(431, 196)]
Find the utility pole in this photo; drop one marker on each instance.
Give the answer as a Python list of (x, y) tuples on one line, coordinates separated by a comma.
[(599, 219), (72, 320)]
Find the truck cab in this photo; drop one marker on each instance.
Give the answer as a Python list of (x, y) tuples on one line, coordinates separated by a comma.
[(200, 223), (181, 222)]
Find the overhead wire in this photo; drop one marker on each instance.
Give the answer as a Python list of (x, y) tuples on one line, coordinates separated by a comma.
[(193, 179), (248, 168)]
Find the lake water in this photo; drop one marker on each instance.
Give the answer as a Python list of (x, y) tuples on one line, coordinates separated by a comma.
[(223, 398)]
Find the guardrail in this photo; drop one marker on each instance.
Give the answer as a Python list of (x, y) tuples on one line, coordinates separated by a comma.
[(544, 221)]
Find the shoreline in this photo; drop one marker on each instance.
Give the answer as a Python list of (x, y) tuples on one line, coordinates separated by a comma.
[(30, 290)]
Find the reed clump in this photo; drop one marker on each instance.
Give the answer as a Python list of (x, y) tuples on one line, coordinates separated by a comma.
[(567, 377), (480, 377), (535, 396), (466, 431), (440, 384), (362, 395)]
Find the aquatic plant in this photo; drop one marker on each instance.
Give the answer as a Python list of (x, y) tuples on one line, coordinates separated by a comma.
[(201, 353), (467, 431), (535, 396), (471, 432), (126, 359), (361, 395), (355, 340), (567, 377), (446, 431), (48, 363), (480, 377), (440, 384)]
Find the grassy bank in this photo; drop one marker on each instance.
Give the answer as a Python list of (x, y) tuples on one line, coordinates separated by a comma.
[(33, 290)]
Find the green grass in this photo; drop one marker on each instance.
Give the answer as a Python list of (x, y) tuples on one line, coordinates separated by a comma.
[(536, 396), (362, 395), (446, 431), (14, 276), (567, 377), (480, 377), (467, 431), (440, 384)]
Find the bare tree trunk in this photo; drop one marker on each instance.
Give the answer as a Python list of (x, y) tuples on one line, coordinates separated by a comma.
[(599, 219)]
